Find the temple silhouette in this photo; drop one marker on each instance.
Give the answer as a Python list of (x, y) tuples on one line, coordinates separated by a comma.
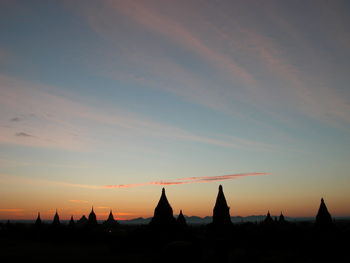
[(56, 220), (110, 222), (164, 217), (168, 239), (71, 223), (163, 213), (181, 220), (221, 211), (92, 220), (38, 220), (268, 219), (323, 217), (281, 218), (82, 221)]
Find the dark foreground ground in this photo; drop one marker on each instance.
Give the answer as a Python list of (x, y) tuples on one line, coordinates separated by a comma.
[(246, 242)]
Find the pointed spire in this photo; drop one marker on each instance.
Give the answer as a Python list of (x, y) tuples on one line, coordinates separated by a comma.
[(268, 219), (111, 217), (281, 218), (56, 219), (323, 217), (163, 213), (71, 222), (110, 220), (82, 221), (92, 221), (221, 211), (38, 220), (181, 221)]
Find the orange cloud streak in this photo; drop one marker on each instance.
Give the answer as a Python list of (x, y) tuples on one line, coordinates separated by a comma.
[(188, 180)]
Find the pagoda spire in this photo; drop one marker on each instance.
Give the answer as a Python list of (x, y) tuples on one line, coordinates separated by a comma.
[(92, 220), (268, 219), (323, 217), (163, 213), (281, 218), (82, 221), (71, 222), (38, 220), (181, 221), (111, 217), (110, 222), (221, 211), (56, 219)]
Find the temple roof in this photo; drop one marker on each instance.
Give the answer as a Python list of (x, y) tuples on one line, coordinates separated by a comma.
[(221, 211), (323, 217), (268, 219), (181, 221), (163, 213), (82, 220), (38, 220), (281, 218), (110, 220), (111, 217), (56, 219), (71, 221), (92, 217), (163, 201)]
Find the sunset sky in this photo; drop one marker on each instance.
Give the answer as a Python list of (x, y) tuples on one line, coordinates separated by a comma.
[(102, 102)]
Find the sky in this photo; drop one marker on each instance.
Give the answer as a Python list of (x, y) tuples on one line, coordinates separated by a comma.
[(103, 103)]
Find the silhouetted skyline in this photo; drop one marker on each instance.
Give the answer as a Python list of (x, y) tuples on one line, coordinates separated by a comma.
[(163, 216), (106, 101)]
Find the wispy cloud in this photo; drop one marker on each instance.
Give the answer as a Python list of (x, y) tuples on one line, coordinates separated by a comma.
[(169, 28), (23, 134), (189, 180), (149, 17), (15, 119), (53, 121), (270, 72)]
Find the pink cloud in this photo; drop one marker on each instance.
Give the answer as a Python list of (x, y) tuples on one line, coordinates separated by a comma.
[(189, 180), (219, 177), (156, 21), (52, 121), (294, 89)]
